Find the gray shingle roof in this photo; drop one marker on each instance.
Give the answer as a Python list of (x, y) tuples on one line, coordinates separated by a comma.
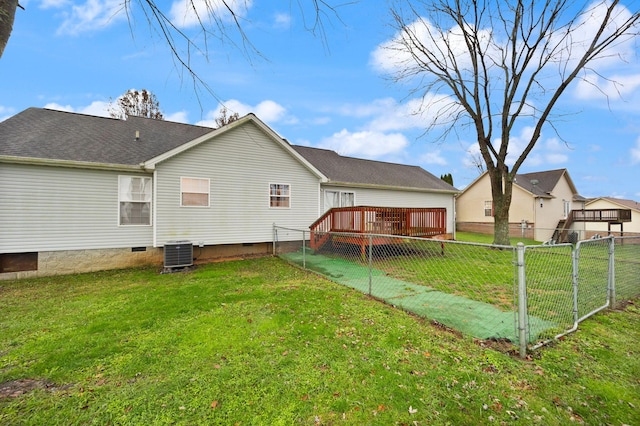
[(540, 183), (351, 170), (58, 135), (630, 204), (543, 183)]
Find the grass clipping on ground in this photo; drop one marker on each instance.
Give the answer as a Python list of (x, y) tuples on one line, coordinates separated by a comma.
[(261, 342)]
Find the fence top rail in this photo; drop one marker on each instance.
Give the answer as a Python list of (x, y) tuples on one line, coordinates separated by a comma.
[(405, 237)]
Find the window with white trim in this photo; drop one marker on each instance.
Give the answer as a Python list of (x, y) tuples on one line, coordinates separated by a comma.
[(194, 192), (134, 200), (488, 208), (279, 195), (339, 199)]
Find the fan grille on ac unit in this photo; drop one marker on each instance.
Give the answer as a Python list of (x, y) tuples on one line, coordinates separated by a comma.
[(178, 254)]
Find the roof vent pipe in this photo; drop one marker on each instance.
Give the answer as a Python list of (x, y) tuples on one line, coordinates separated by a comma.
[(137, 134)]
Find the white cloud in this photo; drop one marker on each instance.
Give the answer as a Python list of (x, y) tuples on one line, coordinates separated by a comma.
[(58, 107), (473, 158), (374, 108), (97, 108), (392, 55), (6, 112), (366, 144), (417, 113), (177, 117), (90, 16), (447, 49), (594, 87), (585, 29), (386, 114), (546, 153), (635, 153), (433, 157), (190, 13), (320, 121), (282, 20), (52, 4), (267, 111)]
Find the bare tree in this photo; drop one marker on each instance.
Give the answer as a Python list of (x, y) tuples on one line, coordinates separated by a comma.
[(140, 103), (503, 65), (218, 21), (225, 117), (7, 16), (475, 158)]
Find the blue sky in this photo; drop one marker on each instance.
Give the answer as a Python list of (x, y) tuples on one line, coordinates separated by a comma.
[(331, 92)]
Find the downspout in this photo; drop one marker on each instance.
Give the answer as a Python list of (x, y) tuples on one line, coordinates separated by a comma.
[(453, 199), (155, 209), (535, 219)]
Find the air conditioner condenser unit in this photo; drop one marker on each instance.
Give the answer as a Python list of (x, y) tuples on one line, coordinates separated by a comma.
[(178, 254)]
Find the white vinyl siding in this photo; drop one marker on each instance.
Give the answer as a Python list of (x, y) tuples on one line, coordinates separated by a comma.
[(45, 208), (241, 165)]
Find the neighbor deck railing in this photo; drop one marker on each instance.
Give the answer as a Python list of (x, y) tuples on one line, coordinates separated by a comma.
[(601, 215)]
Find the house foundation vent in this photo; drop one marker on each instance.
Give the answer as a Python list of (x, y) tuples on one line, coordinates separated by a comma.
[(178, 254)]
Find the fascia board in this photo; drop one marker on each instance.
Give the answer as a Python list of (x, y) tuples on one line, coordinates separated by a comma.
[(70, 164)]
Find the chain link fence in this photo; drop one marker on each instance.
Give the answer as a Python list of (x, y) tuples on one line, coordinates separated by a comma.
[(526, 295)]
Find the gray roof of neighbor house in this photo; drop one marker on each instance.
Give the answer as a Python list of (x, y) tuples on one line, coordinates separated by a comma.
[(542, 184), (356, 171), (57, 135), (630, 204)]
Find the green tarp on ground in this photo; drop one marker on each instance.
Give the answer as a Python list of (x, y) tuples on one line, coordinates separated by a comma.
[(473, 318)]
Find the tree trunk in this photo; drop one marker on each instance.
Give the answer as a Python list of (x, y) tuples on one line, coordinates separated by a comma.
[(7, 15), (501, 189)]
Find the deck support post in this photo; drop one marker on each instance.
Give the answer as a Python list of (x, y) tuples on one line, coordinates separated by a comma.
[(370, 263)]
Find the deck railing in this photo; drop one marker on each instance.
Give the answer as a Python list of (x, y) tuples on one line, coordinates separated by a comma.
[(403, 221), (601, 215)]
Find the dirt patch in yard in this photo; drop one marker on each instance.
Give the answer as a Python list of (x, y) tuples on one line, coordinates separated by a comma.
[(16, 388)]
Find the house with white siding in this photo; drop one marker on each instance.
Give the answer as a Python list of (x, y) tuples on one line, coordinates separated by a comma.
[(83, 193)]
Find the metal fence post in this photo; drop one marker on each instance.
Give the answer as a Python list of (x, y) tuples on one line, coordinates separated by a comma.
[(275, 238), (370, 262), (304, 249), (575, 256), (612, 274), (522, 302)]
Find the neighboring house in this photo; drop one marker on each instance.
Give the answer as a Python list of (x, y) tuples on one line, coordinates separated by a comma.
[(610, 204), (541, 203), (82, 193)]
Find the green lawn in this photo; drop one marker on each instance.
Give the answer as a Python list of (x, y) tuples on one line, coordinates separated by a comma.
[(261, 342), (473, 237)]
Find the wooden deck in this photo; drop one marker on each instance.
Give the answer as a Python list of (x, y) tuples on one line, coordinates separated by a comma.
[(601, 215), (610, 216), (379, 221)]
